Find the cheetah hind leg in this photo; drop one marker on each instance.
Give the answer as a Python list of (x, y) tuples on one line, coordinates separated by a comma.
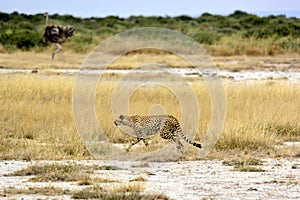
[(135, 141)]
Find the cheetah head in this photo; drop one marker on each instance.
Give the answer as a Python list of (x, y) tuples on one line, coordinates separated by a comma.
[(122, 120)]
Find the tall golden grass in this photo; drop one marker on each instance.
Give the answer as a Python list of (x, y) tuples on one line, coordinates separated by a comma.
[(253, 109), (36, 119)]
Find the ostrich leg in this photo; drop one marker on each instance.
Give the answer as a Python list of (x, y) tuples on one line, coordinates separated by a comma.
[(57, 50)]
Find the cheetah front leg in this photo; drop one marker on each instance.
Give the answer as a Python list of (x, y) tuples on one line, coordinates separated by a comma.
[(145, 142), (133, 142)]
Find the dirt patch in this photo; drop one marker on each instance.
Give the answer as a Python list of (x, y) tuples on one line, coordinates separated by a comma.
[(278, 179)]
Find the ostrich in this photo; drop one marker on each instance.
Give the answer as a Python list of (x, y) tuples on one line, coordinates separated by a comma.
[(57, 34)]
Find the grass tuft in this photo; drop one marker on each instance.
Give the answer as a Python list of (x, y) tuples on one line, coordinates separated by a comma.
[(139, 178), (285, 182), (248, 169), (130, 191), (48, 191), (85, 180), (245, 162), (126, 192), (288, 131)]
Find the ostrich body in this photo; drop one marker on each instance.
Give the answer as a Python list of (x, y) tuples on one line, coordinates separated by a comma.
[(57, 34)]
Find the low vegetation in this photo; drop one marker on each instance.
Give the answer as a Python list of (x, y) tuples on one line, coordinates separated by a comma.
[(248, 169), (245, 164), (126, 192), (89, 185), (242, 162), (239, 33), (285, 182), (139, 178), (47, 191), (63, 172)]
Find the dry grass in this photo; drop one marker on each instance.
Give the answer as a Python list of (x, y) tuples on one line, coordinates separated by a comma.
[(33, 60), (285, 182), (70, 60), (251, 109), (126, 191), (36, 119), (242, 162), (248, 169), (47, 191), (239, 45), (63, 172), (139, 178), (129, 191)]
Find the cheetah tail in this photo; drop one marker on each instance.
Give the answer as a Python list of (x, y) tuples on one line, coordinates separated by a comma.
[(189, 141), (197, 145)]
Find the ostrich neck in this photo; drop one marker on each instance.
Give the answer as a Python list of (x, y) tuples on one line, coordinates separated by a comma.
[(46, 20)]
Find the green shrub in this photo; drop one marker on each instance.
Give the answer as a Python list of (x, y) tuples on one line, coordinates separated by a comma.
[(206, 38), (238, 14), (25, 32)]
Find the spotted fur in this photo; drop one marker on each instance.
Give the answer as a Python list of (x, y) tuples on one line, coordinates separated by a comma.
[(146, 126)]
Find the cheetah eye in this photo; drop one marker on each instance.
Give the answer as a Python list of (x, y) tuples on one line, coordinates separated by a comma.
[(121, 116)]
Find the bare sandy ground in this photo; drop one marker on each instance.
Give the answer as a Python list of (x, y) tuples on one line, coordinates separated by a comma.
[(178, 180)]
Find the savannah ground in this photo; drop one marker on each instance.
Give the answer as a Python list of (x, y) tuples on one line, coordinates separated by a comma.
[(257, 154)]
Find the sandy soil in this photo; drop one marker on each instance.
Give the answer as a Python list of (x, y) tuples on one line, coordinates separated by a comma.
[(179, 180)]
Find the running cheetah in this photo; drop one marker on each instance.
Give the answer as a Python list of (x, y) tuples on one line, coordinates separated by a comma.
[(146, 126)]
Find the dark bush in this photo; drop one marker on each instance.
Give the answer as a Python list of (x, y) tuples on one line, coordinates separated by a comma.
[(183, 18), (4, 17), (254, 20), (206, 14), (238, 14), (282, 30), (25, 40)]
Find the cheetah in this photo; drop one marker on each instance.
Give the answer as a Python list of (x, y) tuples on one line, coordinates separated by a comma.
[(146, 126)]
